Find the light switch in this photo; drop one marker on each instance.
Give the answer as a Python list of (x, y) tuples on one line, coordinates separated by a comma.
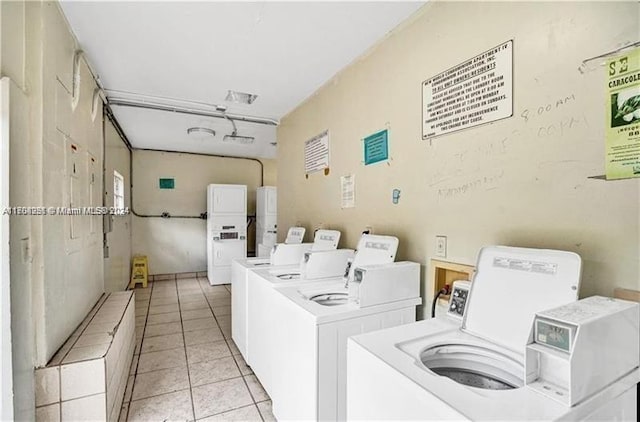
[(441, 246)]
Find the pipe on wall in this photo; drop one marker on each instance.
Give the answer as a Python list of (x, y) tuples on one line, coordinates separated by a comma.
[(131, 149), (167, 215)]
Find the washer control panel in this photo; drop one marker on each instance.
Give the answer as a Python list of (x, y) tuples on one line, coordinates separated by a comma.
[(458, 298), (228, 235)]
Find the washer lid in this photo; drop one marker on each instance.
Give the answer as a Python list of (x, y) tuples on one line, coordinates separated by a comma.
[(511, 285)]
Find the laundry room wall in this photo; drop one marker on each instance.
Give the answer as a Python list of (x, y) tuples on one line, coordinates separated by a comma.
[(523, 181), (117, 265), (12, 65), (56, 161), (177, 245)]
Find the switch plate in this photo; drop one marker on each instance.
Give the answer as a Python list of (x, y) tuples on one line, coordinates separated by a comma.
[(441, 246)]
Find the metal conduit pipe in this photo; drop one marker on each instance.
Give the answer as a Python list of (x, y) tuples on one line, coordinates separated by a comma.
[(131, 149), (109, 114), (202, 216), (192, 111), (100, 92)]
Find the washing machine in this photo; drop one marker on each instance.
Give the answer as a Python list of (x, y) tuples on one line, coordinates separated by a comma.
[(314, 322), (284, 256), (263, 299), (262, 304), (488, 367)]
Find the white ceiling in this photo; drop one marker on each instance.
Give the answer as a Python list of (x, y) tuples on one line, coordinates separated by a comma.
[(196, 51)]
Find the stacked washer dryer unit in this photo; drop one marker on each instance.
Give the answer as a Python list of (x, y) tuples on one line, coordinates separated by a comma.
[(507, 359), (226, 230), (266, 219)]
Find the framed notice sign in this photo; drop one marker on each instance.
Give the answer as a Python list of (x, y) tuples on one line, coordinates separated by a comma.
[(475, 92), (376, 147), (622, 128), (316, 153)]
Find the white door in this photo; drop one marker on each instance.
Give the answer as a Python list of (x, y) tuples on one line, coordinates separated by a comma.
[(229, 199), (6, 388)]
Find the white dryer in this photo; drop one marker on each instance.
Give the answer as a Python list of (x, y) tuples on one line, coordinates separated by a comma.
[(226, 230), (266, 219)]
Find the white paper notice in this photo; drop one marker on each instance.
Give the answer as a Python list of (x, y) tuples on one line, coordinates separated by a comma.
[(477, 91), (316, 153), (348, 189)]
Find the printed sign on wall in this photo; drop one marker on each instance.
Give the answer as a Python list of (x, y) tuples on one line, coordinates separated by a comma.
[(167, 183), (348, 191), (316, 153), (376, 147), (475, 92), (623, 116)]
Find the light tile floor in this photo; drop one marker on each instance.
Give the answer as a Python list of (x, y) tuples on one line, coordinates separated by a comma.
[(186, 366)]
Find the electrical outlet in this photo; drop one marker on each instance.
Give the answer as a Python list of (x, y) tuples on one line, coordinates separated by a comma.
[(441, 246), (368, 230)]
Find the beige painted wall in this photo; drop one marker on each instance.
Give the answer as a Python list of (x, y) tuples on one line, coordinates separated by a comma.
[(21, 323), (178, 245), (58, 278), (73, 271), (117, 266), (270, 172), (14, 28), (519, 181), (55, 280)]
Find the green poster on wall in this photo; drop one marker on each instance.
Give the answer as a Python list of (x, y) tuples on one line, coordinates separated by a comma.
[(376, 147), (167, 183), (622, 128)]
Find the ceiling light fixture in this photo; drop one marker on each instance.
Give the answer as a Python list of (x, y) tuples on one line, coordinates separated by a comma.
[(201, 132), (235, 138), (245, 140), (240, 97)]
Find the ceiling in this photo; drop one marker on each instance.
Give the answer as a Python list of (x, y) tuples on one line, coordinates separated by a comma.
[(197, 51)]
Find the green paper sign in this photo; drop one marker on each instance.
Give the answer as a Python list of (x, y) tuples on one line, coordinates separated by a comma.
[(167, 183), (376, 147)]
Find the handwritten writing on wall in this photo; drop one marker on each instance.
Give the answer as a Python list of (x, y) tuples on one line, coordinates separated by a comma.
[(484, 182), (547, 124), (468, 160)]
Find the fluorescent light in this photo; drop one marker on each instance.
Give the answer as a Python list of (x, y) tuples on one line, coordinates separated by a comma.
[(201, 132), (237, 139), (240, 97)]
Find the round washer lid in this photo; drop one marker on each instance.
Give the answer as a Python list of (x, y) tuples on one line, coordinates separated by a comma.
[(511, 285)]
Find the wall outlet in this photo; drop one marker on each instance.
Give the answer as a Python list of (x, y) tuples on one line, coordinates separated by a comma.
[(441, 246), (368, 230)]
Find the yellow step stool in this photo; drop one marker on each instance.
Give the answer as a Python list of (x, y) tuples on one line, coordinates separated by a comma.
[(139, 271)]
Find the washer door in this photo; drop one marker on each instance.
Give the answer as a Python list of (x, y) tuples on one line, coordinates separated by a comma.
[(474, 366)]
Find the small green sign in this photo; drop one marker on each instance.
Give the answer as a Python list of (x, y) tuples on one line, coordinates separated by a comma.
[(168, 183), (376, 147)]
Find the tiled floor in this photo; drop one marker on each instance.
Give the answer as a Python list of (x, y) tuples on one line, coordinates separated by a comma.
[(186, 366)]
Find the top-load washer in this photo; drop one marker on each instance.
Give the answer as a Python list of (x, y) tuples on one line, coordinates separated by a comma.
[(439, 370), (314, 322), (298, 330), (261, 307), (260, 282), (285, 256)]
